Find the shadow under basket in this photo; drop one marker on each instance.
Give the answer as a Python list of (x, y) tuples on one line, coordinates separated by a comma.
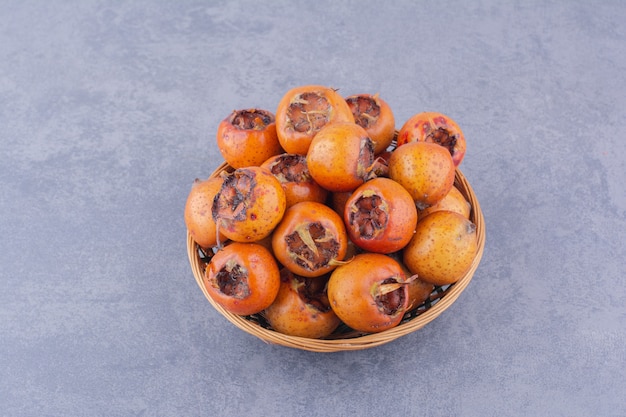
[(344, 338)]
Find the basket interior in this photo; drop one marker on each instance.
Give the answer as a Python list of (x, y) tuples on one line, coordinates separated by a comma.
[(345, 338)]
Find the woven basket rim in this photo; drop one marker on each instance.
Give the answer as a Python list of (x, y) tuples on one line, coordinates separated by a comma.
[(356, 342)]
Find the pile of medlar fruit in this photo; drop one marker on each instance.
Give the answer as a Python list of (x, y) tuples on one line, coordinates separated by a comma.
[(326, 215)]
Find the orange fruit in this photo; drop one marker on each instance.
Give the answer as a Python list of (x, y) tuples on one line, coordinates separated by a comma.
[(374, 115), (341, 156), (425, 169), (442, 249), (244, 278), (453, 201), (248, 137), (250, 203), (436, 128), (303, 111), (369, 293), (198, 215)]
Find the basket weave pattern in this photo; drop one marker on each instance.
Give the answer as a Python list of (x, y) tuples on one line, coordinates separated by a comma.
[(344, 338)]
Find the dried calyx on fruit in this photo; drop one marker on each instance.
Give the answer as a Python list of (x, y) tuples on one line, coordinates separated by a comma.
[(308, 112), (365, 109), (248, 137), (389, 296), (290, 168), (434, 127), (251, 119), (304, 111), (292, 172), (249, 204), (369, 215), (243, 278), (310, 240), (374, 302), (380, 216), (313, 292), (375, 116), (232, 280), (235, 195), (311, 246), (367, 160)]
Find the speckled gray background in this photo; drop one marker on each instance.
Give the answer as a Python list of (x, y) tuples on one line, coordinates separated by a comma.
[(108, 111)]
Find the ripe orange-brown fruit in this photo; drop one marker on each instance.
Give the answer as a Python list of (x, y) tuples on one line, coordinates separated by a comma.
[(369, 293), (341, 157), (311, 239), (453, 201), (248, 137), (436, 128), (425, 169), (293, 174), (250, 203), (303, 111), (442, 249), (374, 115), (380, 216), (198, 216), (301, 307), (244, 278)]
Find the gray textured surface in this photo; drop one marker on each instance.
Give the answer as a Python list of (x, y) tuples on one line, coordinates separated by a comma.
[(108, 111)]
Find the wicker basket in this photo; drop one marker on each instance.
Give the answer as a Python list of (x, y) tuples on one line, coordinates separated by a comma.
[(345, 338)]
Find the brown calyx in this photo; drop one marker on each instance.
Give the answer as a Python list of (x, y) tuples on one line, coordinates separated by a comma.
[(291, 168), (309, 112), (365, 110), (365, 164), (391, 296), (251, 119), (311, 246), (232, 280), (443, 137), (380, 168), (313, 292), (231, 202), (369, 215)]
